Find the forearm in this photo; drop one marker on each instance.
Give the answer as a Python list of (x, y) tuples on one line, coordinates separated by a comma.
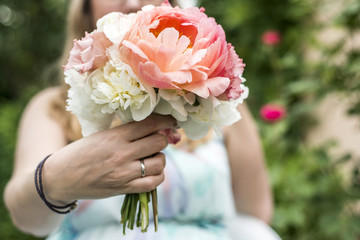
[(29, 213), (251, 189), (250, 181)]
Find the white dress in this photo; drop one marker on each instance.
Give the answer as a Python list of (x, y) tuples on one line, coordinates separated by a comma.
[(195, 202)]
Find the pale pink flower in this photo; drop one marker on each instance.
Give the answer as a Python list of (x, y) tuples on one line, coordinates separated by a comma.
[(89, 53), (272, 112), (184, 50), (271, 38)]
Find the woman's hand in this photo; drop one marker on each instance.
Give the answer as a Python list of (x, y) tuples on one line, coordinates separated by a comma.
[(101, 165), (107, 163)]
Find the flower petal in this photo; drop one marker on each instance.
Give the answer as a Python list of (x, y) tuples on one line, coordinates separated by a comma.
[(226, 114), (193, 129), (150, 73), (144, 111), (217, 85), (163, 108), (198, 88)]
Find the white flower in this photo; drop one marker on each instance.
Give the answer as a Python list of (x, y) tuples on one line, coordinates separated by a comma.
[(79, 103), (208, 113), (194, 129), (115, 25), (117, 89), (225, 114), (245, 94), (171, 103), (199, 118)]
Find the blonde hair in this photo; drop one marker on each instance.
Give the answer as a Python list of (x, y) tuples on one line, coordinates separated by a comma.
[(79, 21)]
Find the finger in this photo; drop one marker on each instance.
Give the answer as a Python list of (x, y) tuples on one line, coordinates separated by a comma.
[(148, 146), (153, 165), (151, 124), (145, 184)]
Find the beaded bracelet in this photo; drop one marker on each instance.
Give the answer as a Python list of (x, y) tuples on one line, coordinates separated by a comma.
[(40, 190)]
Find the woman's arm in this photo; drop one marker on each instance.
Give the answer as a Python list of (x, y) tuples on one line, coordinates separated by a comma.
[(249, 177), (38, 135), (101, 165)]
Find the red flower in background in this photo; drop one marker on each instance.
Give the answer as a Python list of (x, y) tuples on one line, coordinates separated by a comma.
[(272, 112), (271, 38)]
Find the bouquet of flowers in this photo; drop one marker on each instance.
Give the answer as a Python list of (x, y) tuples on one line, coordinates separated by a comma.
[(163, 60)]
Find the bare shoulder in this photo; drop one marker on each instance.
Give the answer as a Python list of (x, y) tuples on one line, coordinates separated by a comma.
[(38, 109), (38, 132), (45, 97)]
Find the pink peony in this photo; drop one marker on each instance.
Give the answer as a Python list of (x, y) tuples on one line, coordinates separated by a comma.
[(272, 112), (271, 38), (89, 53), (182, 49)]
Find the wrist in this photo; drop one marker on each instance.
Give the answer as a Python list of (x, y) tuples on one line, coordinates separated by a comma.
[(53, 181)]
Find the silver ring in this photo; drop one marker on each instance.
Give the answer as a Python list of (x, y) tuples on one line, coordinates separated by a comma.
[(143, 169)]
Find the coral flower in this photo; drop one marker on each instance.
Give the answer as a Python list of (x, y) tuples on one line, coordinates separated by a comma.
[(184, 51), (272, 112)]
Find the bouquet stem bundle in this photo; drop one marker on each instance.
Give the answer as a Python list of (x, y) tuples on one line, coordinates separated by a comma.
[(136, 205)]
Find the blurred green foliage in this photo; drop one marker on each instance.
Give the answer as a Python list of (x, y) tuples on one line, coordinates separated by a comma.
[(31, 37), (311, 197)]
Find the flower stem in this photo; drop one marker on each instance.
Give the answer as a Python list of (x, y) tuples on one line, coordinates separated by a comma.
[(135, 209), (138, 217), (123, 208), (144, 208), (133, 205), (125, 214), (155, 208)]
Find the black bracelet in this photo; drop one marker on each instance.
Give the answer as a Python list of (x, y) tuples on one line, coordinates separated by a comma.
[(40, 190)]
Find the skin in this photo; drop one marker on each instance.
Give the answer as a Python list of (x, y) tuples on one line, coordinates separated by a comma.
[(106, 163), (250, 184)]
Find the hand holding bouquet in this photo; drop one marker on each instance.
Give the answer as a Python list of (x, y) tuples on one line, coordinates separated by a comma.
[(163, 60)]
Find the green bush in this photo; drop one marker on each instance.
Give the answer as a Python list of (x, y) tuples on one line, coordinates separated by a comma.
[(311, 197), (312, 200)]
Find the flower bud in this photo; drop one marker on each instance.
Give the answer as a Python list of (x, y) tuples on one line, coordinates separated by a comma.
[(271, 38), (272, 112)]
